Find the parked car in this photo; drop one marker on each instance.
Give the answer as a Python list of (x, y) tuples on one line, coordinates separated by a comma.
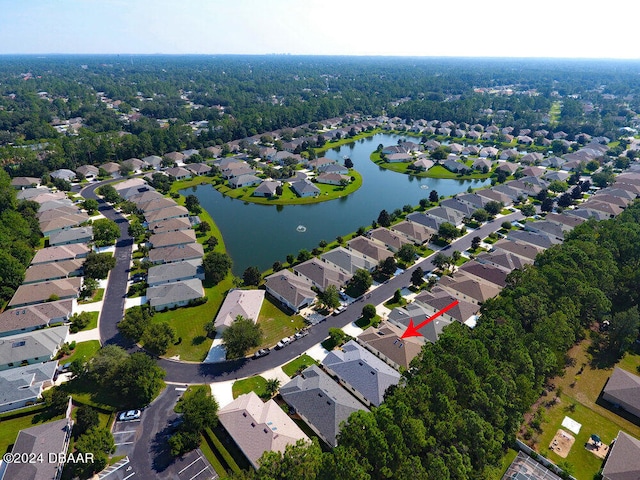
[(301, 333), (340, 309), (283, 343), (129, 415), (263, 352)]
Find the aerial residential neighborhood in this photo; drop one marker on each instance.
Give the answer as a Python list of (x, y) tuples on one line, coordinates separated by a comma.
[(406, 288)]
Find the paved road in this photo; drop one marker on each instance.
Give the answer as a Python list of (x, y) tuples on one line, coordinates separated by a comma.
[(182, 372), (116, 291)]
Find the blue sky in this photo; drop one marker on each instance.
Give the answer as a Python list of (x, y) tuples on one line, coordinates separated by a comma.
[(503, 28)]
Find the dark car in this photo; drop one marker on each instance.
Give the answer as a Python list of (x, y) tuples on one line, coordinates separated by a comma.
[(262, 353)]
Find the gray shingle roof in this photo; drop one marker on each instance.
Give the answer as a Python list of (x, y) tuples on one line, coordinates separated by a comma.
[(175, 292), (41, 344), (42, 439), (362, 370), (623, 462), (321, 401)]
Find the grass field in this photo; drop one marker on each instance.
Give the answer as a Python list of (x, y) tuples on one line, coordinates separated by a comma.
[(581, 387), (83, 350), (97, 296), (302, 362), (255, 384), (437, 171), (276, 323)]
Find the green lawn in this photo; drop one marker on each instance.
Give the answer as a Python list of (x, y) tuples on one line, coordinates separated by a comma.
[(85, 391), (364, 324), (255, 384), (300, 363), (93, 322), (83, 350), (582, 385), (276, 323), (289, 197), (437, 171), (97, 296)]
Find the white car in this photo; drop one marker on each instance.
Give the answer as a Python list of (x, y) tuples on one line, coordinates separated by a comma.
[(129, 415), (283, 343)]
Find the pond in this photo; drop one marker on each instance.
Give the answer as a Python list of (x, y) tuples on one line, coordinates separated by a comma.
[(261, 234)]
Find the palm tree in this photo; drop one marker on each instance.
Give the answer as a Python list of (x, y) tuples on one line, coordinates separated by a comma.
[(272, 387)]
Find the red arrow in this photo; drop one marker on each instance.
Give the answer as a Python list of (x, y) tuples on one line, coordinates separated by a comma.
[(412, 331)]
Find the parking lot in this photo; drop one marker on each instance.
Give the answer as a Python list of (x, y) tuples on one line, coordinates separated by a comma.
[(193, 466), (125, 434)]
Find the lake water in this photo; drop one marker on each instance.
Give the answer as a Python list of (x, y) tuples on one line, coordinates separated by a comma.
[(261, 234)]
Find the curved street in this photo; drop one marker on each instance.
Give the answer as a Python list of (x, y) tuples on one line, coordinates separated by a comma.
[(184, 372)]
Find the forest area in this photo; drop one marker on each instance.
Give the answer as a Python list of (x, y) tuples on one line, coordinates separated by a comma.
[(241, 96)]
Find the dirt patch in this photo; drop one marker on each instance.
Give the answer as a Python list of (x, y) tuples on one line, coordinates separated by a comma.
[(599, 450), (562, 443)]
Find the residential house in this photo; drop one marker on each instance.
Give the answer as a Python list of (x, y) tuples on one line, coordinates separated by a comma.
[(291, 290), (415, 232), (361, 372), (484, 272), (332, 178), (623, 461), (321, 274), (267, 189), (562, 219), (32, 347), (132, 187), (369, 249), (489, 152), (21, 183), (509, 154), (528, 252), (153, 161), (386, 342), (444, 214), (391, 240), (198, 168), (533, 171), (464, 312), (560, 176), (39, 442), (258, 427), (553, 162), (334, 168), (416, 312), (58, 221), (508, 167), (134, 164), (533, 238), (320, 164), (175, 157), (462, 208), (321, 402), (60, 253), (170, 225), (88, 171), (72, 235), (32, 317), (505, 260), (23, 386), (64, 174), (455, 166), (304, 188), (247, 180), (44, 272), (422, 164), (179, 173), (176, 253), (398, 157), (623, 391), (174, 272), (166, 213), (111, 168), (174, 294), (550, 229), (246, 303), (511, 194), (147, 196), (170, 239), (157, 203), (61, 289), (482, 164), (348, 261), (430, 223)]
